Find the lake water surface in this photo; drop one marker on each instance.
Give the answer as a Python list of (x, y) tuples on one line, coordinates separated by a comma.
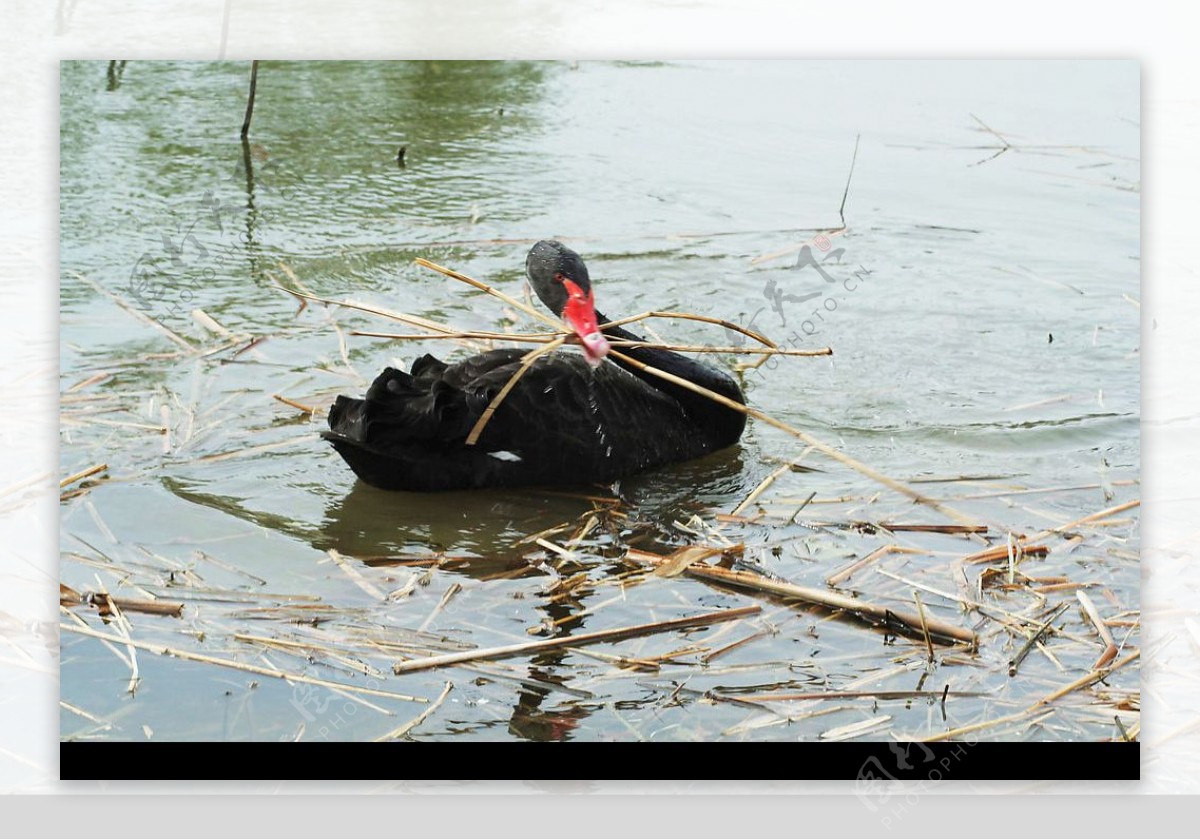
[(982, 303)]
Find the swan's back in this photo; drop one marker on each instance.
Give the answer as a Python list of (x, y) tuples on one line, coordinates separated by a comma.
[(563, 423)]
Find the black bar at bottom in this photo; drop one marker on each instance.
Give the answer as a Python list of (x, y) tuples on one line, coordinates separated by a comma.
[(867, 763)]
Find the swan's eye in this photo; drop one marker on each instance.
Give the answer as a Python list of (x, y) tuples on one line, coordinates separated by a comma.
[(558, 278)]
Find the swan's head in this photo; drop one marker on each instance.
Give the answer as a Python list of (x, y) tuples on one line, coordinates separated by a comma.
[(561, 280)]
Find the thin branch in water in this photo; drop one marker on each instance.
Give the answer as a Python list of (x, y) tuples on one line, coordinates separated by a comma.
[(250, 99), (849, 176)]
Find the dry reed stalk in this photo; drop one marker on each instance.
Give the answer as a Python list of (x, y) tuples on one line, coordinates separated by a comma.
[(484, 287), (529, 310), (689, 316), (582, 533), (984, 609), (307, 409), (845, 573), (924, 624), (451, 592), (1000, 552), (1068, 586), (479, 335), (1041, 490), (164, 650), (731, 351), (100, 376), (680, 560), (1109, 654), (83, 714), (855, 730), (69, 597), (619, 661), (971, 727), (346, 660), (1093, 616), (565, 553), (878, 694), (137, 313), (253, 450), (81, 475), (205, 320), (521, 648), (762, 487), (403, 318), (832, 600), (543, 338), (400, 731), (548, 625), (355, 576), (934, 529), (804, 436), (721, 651), (1086, 519), (1087, 679), (526, 361), (1035, 639)]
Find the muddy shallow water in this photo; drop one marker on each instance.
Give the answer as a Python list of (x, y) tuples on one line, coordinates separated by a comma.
[(981, 302)]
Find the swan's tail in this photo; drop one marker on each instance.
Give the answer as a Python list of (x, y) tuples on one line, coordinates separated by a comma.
[(406, 433)]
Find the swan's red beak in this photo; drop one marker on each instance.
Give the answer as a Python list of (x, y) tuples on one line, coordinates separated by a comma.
[(580, 315)]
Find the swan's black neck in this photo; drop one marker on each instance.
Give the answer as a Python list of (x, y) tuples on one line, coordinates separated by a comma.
[(724, 423)]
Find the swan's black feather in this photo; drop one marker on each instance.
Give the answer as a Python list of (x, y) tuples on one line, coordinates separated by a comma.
[(564, 422)]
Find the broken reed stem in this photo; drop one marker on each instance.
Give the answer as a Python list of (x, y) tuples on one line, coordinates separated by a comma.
[(1020, 655), (1085, 680), (68, 597), (569, 641), (163, 650), (307, 409), (1093, 615), (355, 576), (482, 335), (839, 576), (526, 361), (529, 310), (373, 310), (762, 488), (971, 727), (896, 694), (804, 436), (484, 287), (400, 731), (81, 475), (1000, 552), (1084, 520), (707, 348), (1110, 646), (137, 313), (691, 316), (924, 625), (543, 338), (822, 597)]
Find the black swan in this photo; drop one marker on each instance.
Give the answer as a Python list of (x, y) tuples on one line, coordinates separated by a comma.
[(571, 419)]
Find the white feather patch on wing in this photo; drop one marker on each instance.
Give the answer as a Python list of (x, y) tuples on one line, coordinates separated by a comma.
[(505, 455)]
